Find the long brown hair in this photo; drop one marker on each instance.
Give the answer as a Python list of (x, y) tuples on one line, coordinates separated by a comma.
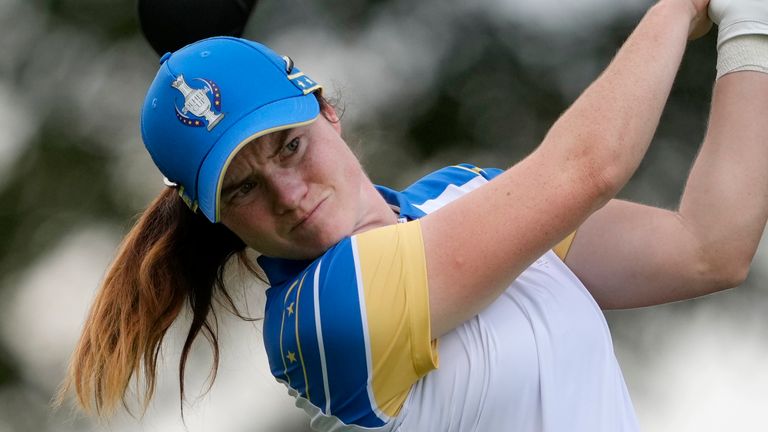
[(171, 257)]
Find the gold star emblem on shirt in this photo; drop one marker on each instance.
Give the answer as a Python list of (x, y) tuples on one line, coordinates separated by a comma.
[(290, 309), (291, 357)]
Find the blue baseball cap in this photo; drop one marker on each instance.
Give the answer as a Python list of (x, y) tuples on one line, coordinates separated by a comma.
[(208, 100)]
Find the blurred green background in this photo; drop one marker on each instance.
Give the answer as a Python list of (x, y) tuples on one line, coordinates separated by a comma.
[(423, 84)]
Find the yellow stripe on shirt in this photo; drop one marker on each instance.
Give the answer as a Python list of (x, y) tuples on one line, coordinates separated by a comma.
[(282, 327), (562, 248), (394, 277), (298, 341)]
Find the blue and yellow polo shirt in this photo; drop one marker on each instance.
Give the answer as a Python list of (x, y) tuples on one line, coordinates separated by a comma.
[(349, 332)]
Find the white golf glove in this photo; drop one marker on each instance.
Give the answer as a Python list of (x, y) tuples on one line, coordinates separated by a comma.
[(739, 17)]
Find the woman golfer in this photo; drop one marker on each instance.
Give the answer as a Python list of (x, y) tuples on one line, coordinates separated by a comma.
[(470, 301)]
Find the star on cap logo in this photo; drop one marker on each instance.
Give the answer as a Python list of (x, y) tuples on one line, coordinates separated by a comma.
[(202, 106)]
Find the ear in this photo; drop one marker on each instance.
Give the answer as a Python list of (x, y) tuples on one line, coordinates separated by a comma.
[(327, 111)]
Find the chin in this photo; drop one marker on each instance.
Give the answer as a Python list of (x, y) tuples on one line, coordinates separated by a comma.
[(327, 241), (312, 245), (307, 250)]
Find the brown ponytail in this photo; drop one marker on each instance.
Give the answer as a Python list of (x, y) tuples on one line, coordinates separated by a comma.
[(171, 255)]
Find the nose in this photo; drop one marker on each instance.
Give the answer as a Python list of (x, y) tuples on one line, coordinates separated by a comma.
[(288, 190)]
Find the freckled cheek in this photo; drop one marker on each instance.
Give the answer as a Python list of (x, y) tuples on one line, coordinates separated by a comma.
[(248, 224), (241, 230), (342, 217)]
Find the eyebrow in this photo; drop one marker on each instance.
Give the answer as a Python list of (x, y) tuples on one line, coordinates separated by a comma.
[(226, 190), (279, 137)]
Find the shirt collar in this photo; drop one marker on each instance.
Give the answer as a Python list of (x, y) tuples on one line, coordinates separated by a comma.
[(400, 201), (281, 270)]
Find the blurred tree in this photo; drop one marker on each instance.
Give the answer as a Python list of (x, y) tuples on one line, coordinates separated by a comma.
[(111, 20)]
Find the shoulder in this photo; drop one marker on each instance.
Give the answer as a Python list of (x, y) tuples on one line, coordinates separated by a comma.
[(354, 326), (454, 175), (438, 188)]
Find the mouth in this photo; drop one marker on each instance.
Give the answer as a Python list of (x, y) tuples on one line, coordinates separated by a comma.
[(308, 215)]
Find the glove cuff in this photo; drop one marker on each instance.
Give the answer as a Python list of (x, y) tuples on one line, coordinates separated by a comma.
[(738, 18), (741, 28), (747, 52)]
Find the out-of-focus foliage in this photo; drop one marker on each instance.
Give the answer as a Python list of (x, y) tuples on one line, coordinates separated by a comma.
[(107, 19), (58, 183)]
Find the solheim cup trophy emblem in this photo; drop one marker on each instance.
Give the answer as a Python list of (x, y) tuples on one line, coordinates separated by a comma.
[(198, 103)]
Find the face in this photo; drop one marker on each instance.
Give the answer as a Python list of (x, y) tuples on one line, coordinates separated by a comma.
[(295, 193)]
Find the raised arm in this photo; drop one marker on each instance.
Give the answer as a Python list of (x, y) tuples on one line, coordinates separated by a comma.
[(478, 244), (631, 255)]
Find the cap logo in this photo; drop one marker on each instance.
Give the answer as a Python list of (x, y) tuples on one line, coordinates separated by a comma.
[(202, 105)]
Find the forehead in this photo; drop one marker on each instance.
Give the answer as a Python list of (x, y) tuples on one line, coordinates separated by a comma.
[(260, 147), (256, 150)]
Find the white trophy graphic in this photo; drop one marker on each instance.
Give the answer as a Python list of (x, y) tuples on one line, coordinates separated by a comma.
[(197, 102)]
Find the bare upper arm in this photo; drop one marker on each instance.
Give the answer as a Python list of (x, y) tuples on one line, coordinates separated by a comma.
[(632, 255), (476, 245)]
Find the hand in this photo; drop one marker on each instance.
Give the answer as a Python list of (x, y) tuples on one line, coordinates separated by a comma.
[(738, 18), (700, 26), (700, 22)]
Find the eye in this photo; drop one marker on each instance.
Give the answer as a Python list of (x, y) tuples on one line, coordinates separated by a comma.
[(245, 188), (290, 147)]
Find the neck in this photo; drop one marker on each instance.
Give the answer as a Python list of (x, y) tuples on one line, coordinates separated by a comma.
[(378, 213)]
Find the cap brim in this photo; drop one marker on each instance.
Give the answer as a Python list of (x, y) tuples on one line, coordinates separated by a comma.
[(277, 116)]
